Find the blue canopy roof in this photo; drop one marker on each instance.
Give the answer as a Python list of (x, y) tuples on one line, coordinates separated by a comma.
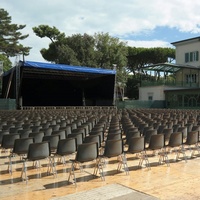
[(63, 67)]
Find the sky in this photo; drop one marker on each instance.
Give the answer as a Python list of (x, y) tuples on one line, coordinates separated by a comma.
[(140, 23)]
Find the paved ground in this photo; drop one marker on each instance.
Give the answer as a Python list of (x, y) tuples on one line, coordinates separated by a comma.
[(112, 192)]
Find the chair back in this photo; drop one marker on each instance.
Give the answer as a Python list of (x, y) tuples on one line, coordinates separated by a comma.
[(14, 129), (192, 138), (24, 133), (87, 152), (38, 151), (8, 140), (136, 145), (189, 126), (61, 133), (66, 146), (196, 128), (113, 148), (98, 128), (100, 133), (183, 130), (21, 145), (149, 134), (38, 136), (156, 142), (78, 136), (114, 131), (3, 132), (131, 134), (148, 128), (47, 131), (53, 141), (55, 127), (93, 138), (161, 128), (167, 133), (35, 128), (79, 130), (114, 136), (176, 139), (175, 127)]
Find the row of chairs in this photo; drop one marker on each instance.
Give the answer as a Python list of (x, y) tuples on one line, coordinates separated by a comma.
[(103, 136)]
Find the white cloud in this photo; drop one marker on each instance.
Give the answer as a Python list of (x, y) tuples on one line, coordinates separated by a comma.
[(116, 17), (148, 44)]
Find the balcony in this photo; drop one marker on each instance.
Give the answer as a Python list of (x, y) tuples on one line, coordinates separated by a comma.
[(171, 83)]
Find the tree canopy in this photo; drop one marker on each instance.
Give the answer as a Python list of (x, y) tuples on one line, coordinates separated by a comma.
[(99, 50), (10, 36), (140, 57)]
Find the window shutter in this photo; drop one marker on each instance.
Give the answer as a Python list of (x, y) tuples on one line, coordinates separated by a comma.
[(197, 56), (191, 56), (186, 57)]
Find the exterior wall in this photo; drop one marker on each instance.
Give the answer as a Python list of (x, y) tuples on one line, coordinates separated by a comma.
[(183, 98), (186, 47), (181, 77), (156, 92)]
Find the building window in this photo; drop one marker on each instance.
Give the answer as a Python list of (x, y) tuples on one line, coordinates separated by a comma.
[(191, 78), (150, 96), (191, 56)]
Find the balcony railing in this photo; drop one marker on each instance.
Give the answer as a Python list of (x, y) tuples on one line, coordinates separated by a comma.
[(171, 83)]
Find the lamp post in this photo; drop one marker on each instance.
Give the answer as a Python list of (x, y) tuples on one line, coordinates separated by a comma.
[(115, 89), (1, 79)]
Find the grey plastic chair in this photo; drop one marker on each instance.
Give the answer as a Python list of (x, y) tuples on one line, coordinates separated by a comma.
[(20, 148), (136, 146), (8, 141), (36, 153), (148, 135), (24, 133), (167, 133), (184, 131), (36, 128), (53, 141), (86, 152), (79, 137), (175, 127), (101, 133), (47, 131), (114, 148), (61, 133), (114, 136), (3, 132), (66, 147), (176, 144), (38, 136), (93, 138), (131, 134), (161, 128), (15, 129), (192, 142), (157, 143)]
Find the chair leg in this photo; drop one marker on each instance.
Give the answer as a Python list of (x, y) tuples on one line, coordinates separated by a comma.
[(123, 161), (52, 166), (72, 173), (10, 164), (24, 172), (99, 167), (144, 157), (182, 150), (179, 151), (163, 156)]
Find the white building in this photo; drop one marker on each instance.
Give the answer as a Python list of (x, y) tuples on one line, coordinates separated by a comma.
[(179, 86)]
